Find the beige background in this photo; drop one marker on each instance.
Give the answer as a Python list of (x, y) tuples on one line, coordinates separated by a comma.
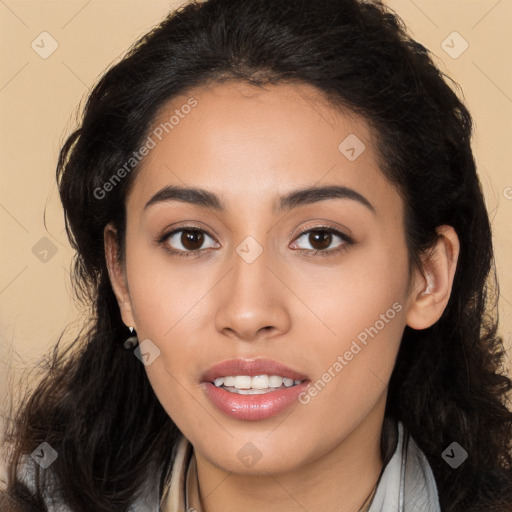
[(38, 98)]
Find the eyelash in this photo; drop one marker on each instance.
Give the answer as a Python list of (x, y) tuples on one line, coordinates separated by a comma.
[(310, 252)]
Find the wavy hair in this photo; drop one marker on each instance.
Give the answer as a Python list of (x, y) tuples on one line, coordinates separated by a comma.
[(95, 405)]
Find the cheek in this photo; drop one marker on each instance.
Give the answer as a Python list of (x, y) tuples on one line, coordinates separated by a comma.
[(353, 367), (168, 299), (163, 289), (176, 396), (363, 317), (357, 294), (362, 346)]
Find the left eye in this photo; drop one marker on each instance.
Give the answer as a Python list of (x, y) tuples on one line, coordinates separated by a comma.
[(322, 238)]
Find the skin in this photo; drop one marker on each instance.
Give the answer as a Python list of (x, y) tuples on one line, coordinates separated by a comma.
[(249, 146)]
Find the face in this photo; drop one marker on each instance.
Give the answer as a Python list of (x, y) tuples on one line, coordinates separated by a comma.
[(316, 282)]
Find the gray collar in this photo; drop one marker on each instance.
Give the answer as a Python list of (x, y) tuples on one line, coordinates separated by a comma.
[(406, 483)]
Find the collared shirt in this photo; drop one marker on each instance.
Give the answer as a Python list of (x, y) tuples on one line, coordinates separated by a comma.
[(405, 484)]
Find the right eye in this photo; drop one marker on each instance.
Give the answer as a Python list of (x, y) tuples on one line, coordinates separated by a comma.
[(190, 238)]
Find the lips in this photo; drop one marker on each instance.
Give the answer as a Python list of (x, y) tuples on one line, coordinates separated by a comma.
[(250, 367), (253, 407)]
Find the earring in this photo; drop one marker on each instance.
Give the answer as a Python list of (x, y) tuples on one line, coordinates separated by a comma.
[(131, 341)]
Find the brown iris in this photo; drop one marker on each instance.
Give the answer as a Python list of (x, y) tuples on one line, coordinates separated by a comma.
[(192, 239), (322, 237)]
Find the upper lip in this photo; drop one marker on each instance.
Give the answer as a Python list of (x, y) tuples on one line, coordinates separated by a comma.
[(251, 367)]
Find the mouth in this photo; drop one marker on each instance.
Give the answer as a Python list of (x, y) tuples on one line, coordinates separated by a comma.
[(256, 385), (252, 389)]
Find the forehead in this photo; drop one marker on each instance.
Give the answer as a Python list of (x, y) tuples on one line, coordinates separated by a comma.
[(247, 143)]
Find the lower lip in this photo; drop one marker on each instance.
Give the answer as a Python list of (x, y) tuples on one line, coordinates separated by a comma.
[(253, 407)]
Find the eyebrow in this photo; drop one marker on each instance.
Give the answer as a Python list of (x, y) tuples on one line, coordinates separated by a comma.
[(294, 199)]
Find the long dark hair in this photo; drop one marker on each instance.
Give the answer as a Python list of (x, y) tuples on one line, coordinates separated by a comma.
[(95, 405)]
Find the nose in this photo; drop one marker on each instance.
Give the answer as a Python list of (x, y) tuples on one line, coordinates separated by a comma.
[(253, 300)]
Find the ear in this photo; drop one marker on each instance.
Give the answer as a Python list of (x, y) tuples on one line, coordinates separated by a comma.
[(431, 290), (117, 275)]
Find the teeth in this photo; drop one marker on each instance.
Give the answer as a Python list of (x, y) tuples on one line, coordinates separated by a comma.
[(258, 382), (229, 381), (250, 391), (219, 381), (243, 382), (274, 381)]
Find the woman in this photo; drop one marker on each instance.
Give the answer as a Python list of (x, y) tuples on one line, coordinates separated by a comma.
[(279, 224)]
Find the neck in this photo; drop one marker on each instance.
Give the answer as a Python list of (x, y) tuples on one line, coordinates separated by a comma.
[(339, 481)]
